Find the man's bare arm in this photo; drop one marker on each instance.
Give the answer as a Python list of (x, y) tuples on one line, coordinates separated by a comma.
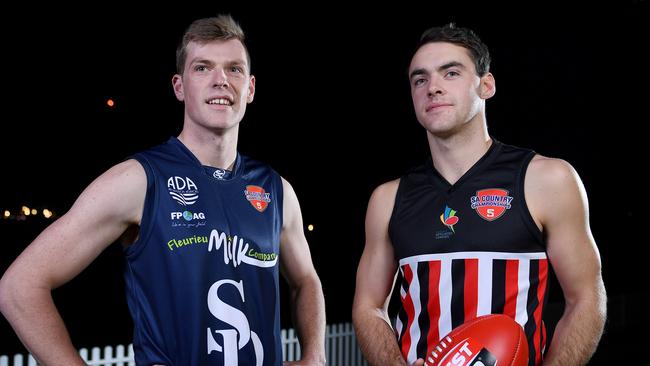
[(308, 304), (558, 202), (375, 280), (100, 215)]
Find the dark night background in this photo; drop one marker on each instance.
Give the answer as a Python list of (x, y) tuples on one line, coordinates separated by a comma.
[(333, 115)]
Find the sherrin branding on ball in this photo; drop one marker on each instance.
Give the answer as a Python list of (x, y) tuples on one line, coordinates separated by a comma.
[(489, 340)]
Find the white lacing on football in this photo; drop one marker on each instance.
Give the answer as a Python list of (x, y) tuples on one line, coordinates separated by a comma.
[(433, 352)]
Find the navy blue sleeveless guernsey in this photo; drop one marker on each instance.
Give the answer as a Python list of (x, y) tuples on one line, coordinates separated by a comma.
[(466, 250), (202, 278)]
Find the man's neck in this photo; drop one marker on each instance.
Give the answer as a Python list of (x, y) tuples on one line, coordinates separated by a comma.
[(453, 156), (212, 149)]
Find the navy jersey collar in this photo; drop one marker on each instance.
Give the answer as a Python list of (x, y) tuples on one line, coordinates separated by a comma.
[(216, 173)]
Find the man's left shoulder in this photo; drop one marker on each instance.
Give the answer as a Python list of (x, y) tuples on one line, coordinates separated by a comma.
[(553, 168), (549, 173)]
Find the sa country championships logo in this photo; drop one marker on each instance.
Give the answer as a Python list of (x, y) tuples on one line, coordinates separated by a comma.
[(258, 197), (491, 203), (449, 218)]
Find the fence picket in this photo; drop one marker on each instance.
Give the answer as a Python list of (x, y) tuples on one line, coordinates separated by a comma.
[(131, 355), (291, 349), (346, 341), (120, 357)]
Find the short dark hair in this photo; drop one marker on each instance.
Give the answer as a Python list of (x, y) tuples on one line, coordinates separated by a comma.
[(221, 27), (463, 37)]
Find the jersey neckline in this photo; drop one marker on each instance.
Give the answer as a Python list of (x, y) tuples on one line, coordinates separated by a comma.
[(217, 174), (439, 181)]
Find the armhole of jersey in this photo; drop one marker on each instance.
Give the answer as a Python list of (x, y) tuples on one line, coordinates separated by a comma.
[(148, 210), (526, 216), (396, 207), (280, 202)]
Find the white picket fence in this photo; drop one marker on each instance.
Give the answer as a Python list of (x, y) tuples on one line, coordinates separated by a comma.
[(341, 349)]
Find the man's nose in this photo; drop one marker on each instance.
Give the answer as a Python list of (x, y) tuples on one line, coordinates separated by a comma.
[(220, 79)]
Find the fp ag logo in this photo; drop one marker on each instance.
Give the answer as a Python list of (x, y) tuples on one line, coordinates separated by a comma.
[(238, 320)]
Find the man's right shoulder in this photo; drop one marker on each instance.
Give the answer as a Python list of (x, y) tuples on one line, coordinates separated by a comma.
[(118, 193), (388, 187), (127, 173), (129, 165), (386, 191)]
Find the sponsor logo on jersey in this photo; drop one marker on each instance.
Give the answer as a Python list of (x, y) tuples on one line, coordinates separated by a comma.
[(491, 203), (449, 219), (237, 250), (258, 197), (178, 243), (188, 219), (183, 190), (188, 216)]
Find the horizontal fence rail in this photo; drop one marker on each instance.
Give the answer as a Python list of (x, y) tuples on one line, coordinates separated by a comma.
[(341, 349)]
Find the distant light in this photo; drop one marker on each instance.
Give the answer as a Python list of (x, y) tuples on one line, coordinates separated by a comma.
[(47, 213), (34, 212), (26, 210), (7, 214), (110, 103), (310, 227)]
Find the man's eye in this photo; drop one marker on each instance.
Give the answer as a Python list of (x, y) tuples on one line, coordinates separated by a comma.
[(200, 68)]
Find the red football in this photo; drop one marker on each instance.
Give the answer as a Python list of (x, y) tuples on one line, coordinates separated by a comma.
[(488, 340)]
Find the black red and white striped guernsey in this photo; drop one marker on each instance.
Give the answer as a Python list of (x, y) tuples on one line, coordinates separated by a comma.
[(466, 250)]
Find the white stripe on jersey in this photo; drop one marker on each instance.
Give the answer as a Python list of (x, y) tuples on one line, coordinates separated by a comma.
[(398, 326), (414, 291), (484, 306), (402, 294), (522, 297), (445, 288)]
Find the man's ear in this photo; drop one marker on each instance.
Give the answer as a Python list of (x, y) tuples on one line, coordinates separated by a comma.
[(177, 84), (488, 86), (251, 90)]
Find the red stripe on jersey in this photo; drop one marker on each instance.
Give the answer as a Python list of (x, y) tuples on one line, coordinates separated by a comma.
[(407, 303), (471, 288), (512, 288), (433, 305), (540, 331)]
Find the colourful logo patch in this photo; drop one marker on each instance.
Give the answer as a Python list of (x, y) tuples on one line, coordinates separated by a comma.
[(449, 218), (491, 203), (258, 197)]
